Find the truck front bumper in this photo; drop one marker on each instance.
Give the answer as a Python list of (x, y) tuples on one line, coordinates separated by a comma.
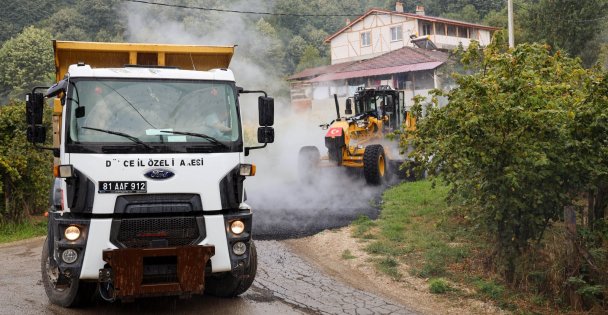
[(144, 272)]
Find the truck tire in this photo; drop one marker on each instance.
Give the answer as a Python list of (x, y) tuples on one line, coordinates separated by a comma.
[(226, 285), (308, 163), (375, 167), (77, 294)]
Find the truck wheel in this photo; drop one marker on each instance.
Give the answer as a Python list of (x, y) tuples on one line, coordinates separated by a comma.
[(78, 293), (227, 285), (374, 165), (308, 161)]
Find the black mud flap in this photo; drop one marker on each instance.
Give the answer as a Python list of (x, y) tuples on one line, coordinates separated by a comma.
[(334, 146)]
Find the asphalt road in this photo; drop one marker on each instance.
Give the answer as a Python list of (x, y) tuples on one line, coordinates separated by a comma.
[(285, 284)]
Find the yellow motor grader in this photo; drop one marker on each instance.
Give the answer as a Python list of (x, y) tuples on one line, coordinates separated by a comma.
[(359, 140)]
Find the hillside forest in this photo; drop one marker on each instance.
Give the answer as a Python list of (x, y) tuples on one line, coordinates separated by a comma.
[(283, 43)]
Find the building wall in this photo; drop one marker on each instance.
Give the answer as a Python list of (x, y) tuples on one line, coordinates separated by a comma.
[(347, 46)]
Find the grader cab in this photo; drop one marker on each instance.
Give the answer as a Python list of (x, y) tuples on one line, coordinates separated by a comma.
[(359, 141)]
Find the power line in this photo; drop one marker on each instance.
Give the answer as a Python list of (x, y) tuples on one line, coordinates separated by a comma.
[(236, 11)]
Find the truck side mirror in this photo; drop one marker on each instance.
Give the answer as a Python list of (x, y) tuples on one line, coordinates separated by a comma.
[(266, 111), (265, 135), (36, 134), (349, 107), (34, 105)]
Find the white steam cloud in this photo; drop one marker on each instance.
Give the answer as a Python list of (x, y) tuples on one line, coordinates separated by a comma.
[(282, 204)]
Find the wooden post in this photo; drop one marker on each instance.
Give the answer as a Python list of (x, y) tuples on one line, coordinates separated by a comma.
[(572, 259)]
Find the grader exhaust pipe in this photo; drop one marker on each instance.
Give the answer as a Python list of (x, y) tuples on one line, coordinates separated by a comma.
[(337, 107)]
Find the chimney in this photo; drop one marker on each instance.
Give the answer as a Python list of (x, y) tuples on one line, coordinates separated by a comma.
[(347, 21), (419, 10), (399, 6)]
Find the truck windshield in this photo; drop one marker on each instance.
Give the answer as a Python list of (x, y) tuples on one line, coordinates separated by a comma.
[(152, 111)]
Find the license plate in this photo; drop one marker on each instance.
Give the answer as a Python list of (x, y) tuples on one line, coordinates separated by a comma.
[(126, 187)]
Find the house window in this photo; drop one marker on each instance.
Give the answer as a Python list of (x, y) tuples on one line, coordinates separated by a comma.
[(426, 29), (424, 80), (366, 39), (396, 33), (403, 81), (451, 30), (463, 32), (440, 29)]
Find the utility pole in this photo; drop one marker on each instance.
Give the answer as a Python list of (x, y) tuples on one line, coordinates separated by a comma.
[(511, 32)]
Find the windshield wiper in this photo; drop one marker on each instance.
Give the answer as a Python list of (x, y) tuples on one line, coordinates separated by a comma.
[(200, 135), (130, 137)]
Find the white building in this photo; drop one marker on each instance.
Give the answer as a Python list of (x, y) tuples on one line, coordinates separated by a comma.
[(380, 31)]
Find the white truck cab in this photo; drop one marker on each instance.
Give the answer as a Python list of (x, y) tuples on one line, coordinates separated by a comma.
[(148, 197)]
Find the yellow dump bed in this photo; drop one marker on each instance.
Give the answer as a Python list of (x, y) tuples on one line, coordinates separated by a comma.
[(117, 55)]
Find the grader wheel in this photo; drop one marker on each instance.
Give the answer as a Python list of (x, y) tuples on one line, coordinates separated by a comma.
[(375, 167)]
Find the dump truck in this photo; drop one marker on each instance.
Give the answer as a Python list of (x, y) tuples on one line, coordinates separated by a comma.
[(359, 141), (149, 165)]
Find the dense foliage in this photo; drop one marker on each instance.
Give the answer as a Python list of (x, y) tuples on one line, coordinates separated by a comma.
[(522, 138), (577, 27), (27, 61), (25, 172)]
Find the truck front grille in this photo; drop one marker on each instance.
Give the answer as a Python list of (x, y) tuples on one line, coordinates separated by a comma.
[(157, 232)]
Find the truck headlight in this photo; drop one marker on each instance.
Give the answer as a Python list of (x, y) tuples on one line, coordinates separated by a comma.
[(239, 248), (361, 123), (237, 227), (69, 256), (72, 233)]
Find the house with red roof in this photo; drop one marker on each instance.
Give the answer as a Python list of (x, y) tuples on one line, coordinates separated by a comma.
[(381, 47)]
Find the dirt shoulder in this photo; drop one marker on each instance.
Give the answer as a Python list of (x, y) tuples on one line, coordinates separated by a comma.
[(325, 251)]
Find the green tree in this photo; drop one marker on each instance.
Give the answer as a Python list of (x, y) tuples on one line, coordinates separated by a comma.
[(66, 24), (25, 175), (17, 15), (505, 142), (273, 52), (468, 13), (603, 56), (26, 61), (316, 37), (310, 58), (570, 25), (100, 16), (295, 50)]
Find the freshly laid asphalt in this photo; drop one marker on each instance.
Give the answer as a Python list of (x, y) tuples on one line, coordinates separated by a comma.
[(286, 209)]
